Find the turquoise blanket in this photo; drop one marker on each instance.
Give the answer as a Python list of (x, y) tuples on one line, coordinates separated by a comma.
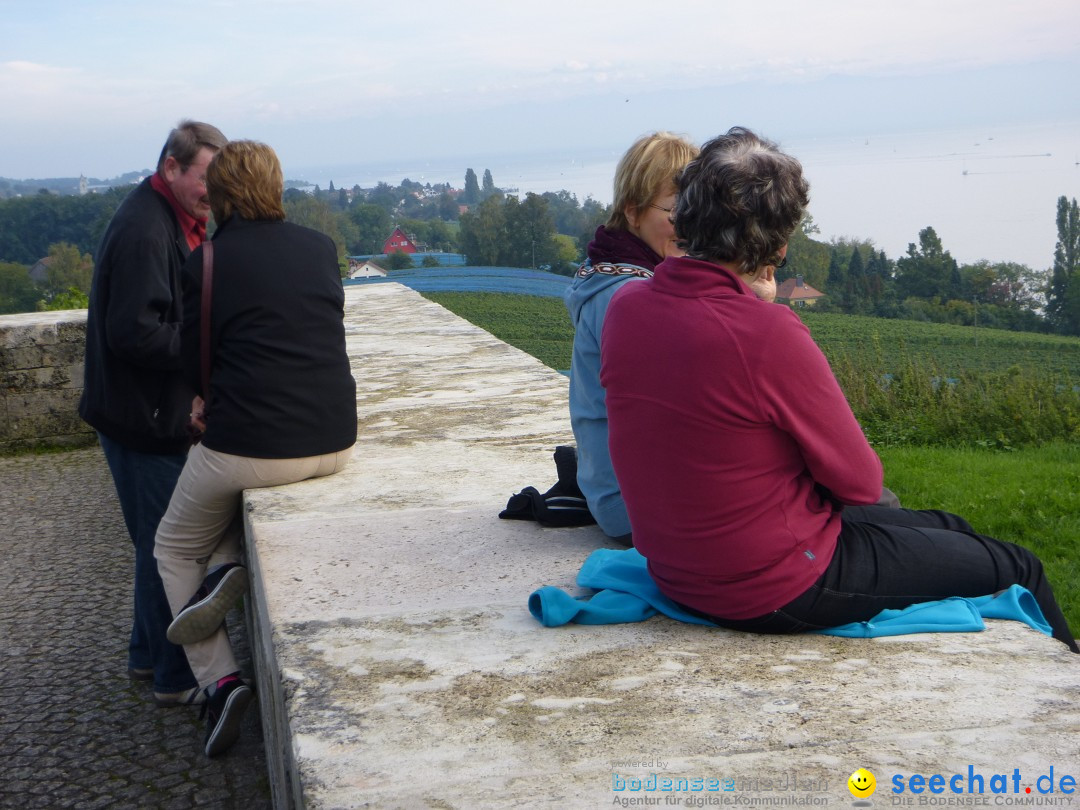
[(625, 592)]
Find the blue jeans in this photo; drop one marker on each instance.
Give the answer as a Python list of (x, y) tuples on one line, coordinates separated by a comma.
[(892, 558), (144, 484)]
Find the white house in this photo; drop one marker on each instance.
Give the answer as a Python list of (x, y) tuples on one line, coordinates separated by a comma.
[(366, 269)]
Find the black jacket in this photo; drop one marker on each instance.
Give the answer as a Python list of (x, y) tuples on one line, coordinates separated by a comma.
[(280, 383), (134, 391)]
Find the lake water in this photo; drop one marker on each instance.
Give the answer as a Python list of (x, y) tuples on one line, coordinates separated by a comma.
[(989, 193)]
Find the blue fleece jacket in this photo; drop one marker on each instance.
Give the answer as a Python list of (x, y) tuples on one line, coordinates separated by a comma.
[(587, 299)]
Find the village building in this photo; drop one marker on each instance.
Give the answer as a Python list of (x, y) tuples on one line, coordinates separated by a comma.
[(797, 293), (365, 269), (403, 243), (39, 272)]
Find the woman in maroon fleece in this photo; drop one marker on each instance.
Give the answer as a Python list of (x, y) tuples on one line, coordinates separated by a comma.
[(748, 483)]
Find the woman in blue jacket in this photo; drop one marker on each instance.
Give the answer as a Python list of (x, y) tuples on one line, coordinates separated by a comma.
[(637, 236)]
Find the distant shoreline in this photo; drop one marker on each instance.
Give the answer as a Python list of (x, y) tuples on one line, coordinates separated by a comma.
[(989, 192)]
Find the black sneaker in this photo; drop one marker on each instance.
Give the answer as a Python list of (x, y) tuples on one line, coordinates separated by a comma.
[(226, 711), (203, 615)]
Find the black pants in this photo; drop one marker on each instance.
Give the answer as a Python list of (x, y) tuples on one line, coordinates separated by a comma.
[(892, 558)]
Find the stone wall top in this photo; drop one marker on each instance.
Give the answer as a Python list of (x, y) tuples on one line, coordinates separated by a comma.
[(404, 669)]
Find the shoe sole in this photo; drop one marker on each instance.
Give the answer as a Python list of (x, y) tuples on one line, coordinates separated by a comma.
[(228, 725), (201, 620), (140, 674), (195, 697)]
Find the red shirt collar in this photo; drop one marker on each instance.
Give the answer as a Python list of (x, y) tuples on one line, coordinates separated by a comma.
[(194, 228)]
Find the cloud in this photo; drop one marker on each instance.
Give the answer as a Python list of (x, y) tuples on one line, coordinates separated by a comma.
[(324, 63)]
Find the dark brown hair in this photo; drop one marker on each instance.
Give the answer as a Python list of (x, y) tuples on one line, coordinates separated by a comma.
[(739, 201)]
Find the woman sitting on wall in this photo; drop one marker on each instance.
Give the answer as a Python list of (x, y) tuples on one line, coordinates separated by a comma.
[(747, 480), (638, 236), (281, 405)]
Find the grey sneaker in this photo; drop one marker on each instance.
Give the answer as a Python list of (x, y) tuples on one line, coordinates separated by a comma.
[(203, 615)]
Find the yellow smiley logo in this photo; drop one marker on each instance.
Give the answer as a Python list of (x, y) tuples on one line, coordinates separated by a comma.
[(862, 784)]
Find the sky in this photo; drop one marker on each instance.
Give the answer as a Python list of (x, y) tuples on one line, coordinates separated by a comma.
[(91, 87)]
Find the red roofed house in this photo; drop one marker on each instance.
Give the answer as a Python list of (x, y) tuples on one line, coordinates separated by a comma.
[(398, 240), (797, 293)]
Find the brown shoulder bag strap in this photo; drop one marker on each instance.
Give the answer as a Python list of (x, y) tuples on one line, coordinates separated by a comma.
[(204, 324)]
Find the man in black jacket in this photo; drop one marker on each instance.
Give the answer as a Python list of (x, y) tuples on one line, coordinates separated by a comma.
[(134, 392)]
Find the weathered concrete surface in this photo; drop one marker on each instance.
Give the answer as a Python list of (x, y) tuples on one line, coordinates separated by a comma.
[(409, 672)]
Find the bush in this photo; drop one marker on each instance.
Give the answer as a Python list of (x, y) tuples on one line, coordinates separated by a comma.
[(398, 260), (919, 405)]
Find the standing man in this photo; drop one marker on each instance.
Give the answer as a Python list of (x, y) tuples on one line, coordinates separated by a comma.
[(134, 393)]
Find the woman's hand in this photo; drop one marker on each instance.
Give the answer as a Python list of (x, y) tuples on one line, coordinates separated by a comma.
[(197, 414), (763, 283)]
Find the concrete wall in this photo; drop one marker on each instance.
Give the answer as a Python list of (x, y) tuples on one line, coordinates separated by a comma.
[(41, 379), (398, 665)]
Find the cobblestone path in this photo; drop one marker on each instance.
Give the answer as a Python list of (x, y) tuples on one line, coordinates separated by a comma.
[(74, 731)]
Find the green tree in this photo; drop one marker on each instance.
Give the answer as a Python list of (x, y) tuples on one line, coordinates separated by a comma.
[(315, 213), (372, 224), (429, 261), (1063, 296), (530, 233), (440, 236), (567, 257), (414, 207), (807, 257), (18, 292), (447, 207), (385, 196), (28, 225), (489, 185), (878, 279), (836, 277), (68, 269), (482, 232), (471, 195), (1005, 295), (593, 215), (928, 271)]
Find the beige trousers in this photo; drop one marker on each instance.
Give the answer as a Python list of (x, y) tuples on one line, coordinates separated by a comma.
[(202, 529)]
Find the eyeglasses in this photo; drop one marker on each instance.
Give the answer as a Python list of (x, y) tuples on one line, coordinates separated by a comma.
[(782, 264)]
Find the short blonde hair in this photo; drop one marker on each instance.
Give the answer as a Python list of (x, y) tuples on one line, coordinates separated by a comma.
[(245, 178), (646, 171)]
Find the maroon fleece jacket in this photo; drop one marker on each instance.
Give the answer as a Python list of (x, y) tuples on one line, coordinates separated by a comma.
[(731, 439)]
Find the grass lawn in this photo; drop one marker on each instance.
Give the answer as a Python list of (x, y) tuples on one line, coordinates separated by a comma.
[(1030, 496)]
